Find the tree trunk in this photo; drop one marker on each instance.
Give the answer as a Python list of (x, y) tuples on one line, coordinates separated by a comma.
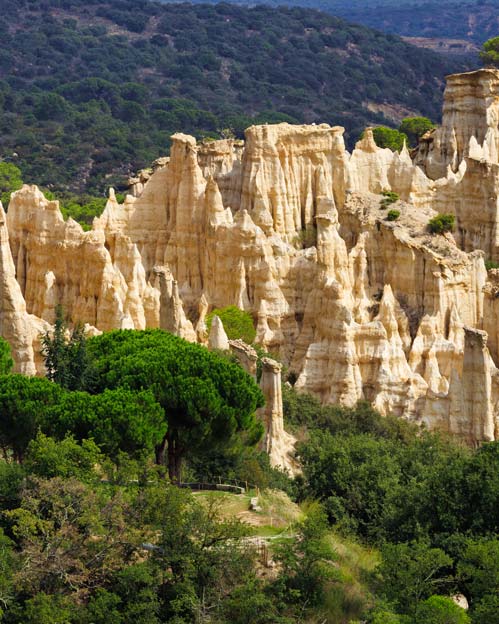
[(174, 457), (160, 451)]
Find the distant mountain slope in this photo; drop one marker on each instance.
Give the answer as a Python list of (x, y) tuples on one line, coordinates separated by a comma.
[(93, 87), (466, 20)]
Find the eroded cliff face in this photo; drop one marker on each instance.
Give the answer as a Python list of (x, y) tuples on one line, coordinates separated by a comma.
[(289, 226)]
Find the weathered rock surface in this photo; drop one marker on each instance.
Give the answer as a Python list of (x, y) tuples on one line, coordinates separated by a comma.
[(288, 226), (277, 442)]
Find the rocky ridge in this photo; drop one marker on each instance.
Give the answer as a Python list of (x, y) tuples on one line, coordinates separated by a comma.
[(289, 226)]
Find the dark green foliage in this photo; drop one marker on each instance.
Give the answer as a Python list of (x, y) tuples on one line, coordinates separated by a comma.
[(46, 609), (389, 137), (23, 403), (6, 361), (433, 19), (355, 476), (412, 573), (7, 568), (487, 610), (490, 264), (237, 323), (442, 223), (83, 208), (393, 215), (490, 53), (206, 399), (66, 360), (301, 409), (415, 127), (478, 569), (118, 420), (94, 88), (12, 476)]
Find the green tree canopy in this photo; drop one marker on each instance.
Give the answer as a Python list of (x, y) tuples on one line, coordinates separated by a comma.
[(205, 398), (119, 420), (490, 52), (23, 403), (237, 323), (415, 127), (479, 568), (412, 573), (441, 610), (66, 358), (10, 181), (6, 361), (389, 137)]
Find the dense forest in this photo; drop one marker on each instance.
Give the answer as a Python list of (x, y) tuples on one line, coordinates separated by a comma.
[(385, 525), (471, 20), (91, 90)]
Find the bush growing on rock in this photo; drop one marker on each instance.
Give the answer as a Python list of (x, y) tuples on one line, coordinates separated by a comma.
[(393, 215), (389, 198), (442, 223), (389, 137)]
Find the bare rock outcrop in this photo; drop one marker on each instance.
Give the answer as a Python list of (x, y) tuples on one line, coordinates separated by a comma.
[(277, 442), (289, 226), (218, 338)]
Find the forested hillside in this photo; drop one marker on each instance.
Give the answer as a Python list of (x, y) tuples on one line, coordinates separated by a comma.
[(470, 20), (92, 90)]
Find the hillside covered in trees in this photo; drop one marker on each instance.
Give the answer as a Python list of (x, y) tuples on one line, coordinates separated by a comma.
[(471, 20), (91, 90)]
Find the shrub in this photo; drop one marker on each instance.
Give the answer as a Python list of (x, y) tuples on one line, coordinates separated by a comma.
[(415, 127), (389, 198), (389, 137), (490, 264), (237, 323), (442, 223), (393, 215), (490, 53)]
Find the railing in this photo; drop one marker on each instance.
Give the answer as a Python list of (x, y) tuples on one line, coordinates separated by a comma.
[(221, 484)]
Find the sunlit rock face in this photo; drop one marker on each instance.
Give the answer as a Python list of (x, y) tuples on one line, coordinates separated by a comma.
[(289, 226)]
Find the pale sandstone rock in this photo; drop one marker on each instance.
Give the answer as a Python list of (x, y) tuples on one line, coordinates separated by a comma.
[(471, 110), (288, 226), (246, 355), (277, 442), (172, 316), (15, 323), (218, 338)]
